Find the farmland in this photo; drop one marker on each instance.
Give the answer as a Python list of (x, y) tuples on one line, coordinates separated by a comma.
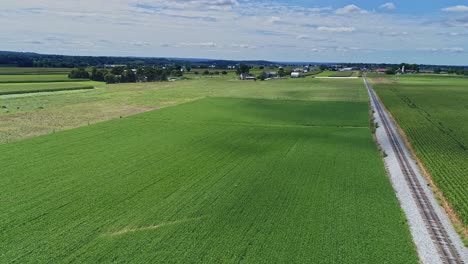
[(22, 88), (432, 111), (33, 71), (20, 117), (250, 180), (337, 74), (30, 78)]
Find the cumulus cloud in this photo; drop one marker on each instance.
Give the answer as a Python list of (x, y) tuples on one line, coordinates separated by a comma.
[(388, 6), (458, 8), (336, 29), (350, 9)]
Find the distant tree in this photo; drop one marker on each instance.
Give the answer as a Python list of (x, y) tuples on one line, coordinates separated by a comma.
[(98, 75), (261, 67), (323, 67), (262, 76), (110, 78), (391, 71), (281, 72), (80, 73), (243, 69), (189, 69), (196, 72), (437, 70), (206, 72), (118, 70), (224, 72), (128, 76)]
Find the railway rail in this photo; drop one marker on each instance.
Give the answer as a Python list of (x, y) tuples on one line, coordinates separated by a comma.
[(447, 252)]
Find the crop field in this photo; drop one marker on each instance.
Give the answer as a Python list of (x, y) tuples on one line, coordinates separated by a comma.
[(433, 112), (215, 180), (343, 74), (22, 88), (33, 78), (35, 71), (20, 118), (336, 74)]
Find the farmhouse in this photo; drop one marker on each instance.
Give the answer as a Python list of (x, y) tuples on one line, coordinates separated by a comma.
[(380, 70)]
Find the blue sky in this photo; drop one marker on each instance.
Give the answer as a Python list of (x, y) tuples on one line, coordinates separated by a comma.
[(431, 32)]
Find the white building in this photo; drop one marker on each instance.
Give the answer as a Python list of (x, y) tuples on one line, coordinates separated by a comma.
[(295, 75)]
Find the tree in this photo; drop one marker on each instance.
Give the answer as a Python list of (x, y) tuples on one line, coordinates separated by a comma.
[(262, 76), (98, 75), (323, 67), (281, 72), (206, 72), (243, 69), (118, 70), (224, 72), (391, 71), (110, 78), (80, 73)]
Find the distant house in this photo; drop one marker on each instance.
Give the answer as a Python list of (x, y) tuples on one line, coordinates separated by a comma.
[(380, 70), (295, 74), (346, 69), (246, 76), (270, 75)]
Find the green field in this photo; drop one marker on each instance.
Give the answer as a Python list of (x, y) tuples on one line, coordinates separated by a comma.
[(336, 74), (433, 112), (32, 78), (22, 88), (35, 71), (21, 118), (217, 180)]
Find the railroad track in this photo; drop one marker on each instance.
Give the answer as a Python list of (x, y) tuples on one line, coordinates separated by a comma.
[(447, 251)]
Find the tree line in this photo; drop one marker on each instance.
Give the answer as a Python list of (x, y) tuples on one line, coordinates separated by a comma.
[(125, 74)]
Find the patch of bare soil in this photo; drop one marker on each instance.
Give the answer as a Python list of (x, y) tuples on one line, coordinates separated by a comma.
[(152, 227)]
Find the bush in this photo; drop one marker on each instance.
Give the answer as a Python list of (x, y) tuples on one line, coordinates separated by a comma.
[(80, 73)]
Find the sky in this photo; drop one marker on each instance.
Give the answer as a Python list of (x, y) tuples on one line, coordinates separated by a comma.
[(416, 31)]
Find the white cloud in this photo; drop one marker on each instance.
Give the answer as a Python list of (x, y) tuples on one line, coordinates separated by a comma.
[(458, 8), (350, 9), (388, 6), (243, 46), (336, 29), (200, 44), (229, 29), (274, 19), (447, 49)]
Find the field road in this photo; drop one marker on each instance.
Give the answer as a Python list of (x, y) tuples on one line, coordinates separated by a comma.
[(435, 238)]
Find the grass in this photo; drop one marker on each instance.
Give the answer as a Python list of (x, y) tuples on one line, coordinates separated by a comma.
[(218, 180), (433, 113), (32, 78), (35, 71), (22, 88), (69, 110)]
